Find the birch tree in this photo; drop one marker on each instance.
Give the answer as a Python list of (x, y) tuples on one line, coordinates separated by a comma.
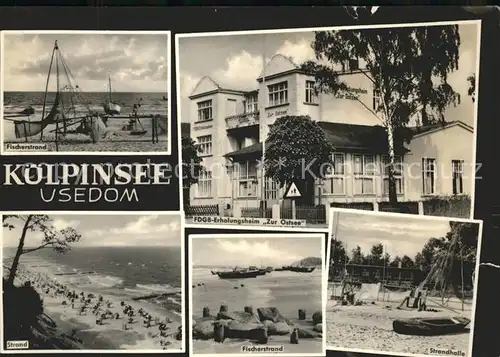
[(407, 66)]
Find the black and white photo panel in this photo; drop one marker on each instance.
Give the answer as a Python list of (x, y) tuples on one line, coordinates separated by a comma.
[(285, 125), (402, 285), (93, 282), (257, 293), (91, 92)]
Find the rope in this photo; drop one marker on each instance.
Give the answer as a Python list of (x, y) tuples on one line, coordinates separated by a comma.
[(490, 265)]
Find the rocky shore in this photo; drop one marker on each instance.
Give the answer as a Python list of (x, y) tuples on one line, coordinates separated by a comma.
[(264, 326)]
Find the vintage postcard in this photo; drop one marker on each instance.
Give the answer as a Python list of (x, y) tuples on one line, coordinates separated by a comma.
[(281, 126), (92, 92), (402, 285), (93, 282), (260, 294)]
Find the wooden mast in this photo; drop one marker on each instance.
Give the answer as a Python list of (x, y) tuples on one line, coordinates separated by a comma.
[(110, 98), (47, 85), (58, 115)]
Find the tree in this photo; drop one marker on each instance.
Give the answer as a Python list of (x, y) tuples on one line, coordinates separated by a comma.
[(407, 262), (471, 91), (190, 165), (357, 256), (338, 254), (396, 261), (297, 150), (407, 66), (57, 239), (376, 256)]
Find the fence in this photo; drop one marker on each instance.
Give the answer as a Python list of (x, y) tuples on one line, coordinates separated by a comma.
[(207, 210), (311, 214), (87, 130), (458, 207), (248, 212), (366, 206), (401, 207), (448, 207)]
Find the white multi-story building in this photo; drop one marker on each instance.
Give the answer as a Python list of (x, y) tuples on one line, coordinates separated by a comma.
[(230, 126)]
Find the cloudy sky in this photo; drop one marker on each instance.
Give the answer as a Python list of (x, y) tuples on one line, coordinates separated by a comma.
[(109, 230), (266, 250), (235, 62), (401, 234), (135, 62)]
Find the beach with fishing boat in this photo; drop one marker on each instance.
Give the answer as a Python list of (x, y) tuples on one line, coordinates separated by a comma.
[(276, 305), (109, 115), (387, 299)]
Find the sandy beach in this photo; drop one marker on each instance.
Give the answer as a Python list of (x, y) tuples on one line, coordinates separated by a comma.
[(286, 291), (369, 327), (100, 320)]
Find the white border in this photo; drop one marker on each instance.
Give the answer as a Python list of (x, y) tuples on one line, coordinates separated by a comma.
[(93, 153), (118, 213), (259, 229), (422, 219), (324, 284), (337, 28)]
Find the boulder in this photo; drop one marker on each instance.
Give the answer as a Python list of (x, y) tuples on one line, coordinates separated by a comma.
[(282, 328), (251, 331), (277, 329), (306, 333), (240, 316), (318, 328), (271, 314), (317, 317), (203, 330)]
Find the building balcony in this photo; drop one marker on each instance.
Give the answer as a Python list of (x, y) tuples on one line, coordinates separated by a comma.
[(242, 120)]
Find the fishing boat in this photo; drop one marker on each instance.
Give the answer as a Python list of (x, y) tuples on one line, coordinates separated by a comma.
[(111, 108), (238, 274), (259, 271), (302, 269), (269, 269), (430, 326), (64, 104)]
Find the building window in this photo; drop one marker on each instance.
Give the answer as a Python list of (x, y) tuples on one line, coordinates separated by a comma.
[(251, 104), (335, 176), (376, 99), (271, 189), (278, 94), (398, 174), (205, 145), (311, 96), (428, 176), (353, 64), (364, 174), (247, 179), (457, 167), (205, 183), (350, 65), (205, 110)]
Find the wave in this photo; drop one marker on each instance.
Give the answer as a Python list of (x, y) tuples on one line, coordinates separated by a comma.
[(160, 288), (106, 280)]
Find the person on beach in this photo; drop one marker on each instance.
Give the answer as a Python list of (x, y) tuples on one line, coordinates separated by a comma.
[(406, 300)]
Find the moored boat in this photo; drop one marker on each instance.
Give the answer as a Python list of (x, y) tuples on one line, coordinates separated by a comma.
[(238, 274), (302, 269), (111, 108), (430, 326)]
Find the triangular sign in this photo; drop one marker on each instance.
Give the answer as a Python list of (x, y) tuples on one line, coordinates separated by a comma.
[(293, 191)]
